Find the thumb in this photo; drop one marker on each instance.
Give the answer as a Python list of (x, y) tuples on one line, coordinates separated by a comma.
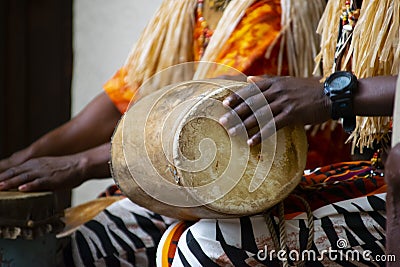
[(258, 78)]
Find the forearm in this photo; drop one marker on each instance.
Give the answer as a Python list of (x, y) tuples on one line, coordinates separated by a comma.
[(90, 128), (94, 163), (375, 96), (54, 173)]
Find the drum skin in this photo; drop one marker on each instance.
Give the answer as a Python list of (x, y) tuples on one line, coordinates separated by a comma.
[(172, 137)]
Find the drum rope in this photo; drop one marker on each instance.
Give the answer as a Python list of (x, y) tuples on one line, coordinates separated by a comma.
[(282, 231), (281, 243), (271, 227), (310, 222)]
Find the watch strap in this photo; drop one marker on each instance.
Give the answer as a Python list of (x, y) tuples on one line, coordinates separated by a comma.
[(342, 103), (349, 123)]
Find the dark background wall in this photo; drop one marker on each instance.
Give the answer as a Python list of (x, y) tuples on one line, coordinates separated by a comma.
[(35, 69)]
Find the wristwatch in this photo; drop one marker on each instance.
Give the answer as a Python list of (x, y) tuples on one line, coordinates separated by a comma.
[(340, 87)]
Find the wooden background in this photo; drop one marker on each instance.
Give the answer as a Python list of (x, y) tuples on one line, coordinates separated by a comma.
[(35, 69)]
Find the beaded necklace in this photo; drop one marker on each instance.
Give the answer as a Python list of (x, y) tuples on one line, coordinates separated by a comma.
[(203, 32), (348, 20)]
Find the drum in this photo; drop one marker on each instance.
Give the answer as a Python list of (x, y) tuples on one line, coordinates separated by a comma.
[(170, 155), (28, 225)]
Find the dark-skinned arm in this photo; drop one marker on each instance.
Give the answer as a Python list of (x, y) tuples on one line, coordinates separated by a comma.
[(62, 172), (92, 127), (77, 150), (375, 96), (300, 101)]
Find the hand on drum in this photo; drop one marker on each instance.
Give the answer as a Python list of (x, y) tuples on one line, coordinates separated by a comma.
[(15, 159), (291, 101), (38, 174)]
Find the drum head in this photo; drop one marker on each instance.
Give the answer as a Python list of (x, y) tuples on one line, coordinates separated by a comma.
[(171, 155), (226, 175)]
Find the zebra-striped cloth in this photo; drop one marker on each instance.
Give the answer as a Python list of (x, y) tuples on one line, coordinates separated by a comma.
[(352, 231), (347, 201), (124, 234)]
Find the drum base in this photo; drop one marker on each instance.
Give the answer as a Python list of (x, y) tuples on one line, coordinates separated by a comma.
[(44, 251)]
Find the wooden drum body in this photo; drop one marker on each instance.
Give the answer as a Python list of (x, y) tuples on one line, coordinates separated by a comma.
[(170, 155), (28, 226)]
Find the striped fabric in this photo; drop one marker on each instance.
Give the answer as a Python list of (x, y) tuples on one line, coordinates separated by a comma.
[(124, 234), (347, 204), (335, 183), (348, 227)]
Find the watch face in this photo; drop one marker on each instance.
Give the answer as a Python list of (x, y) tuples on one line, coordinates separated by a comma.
[(339, 83)]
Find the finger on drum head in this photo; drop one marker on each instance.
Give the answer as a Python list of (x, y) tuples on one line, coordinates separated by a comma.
[(240, 95), (231, 120), (254, 107), (251, 121), (261, 118), (16, 181), (240, 101), (8, 174), (3, 164), (256, 102), (255, 79), (243, 110), (265, 83), (265, 132), (23, 188), (32, 185)]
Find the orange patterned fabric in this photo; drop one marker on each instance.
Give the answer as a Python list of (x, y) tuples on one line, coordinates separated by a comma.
[(334, 183), (245, 50), (118, 90)]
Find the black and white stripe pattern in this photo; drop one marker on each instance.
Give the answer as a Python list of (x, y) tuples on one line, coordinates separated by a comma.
[(127, 235), (236, 242), (124, 234)]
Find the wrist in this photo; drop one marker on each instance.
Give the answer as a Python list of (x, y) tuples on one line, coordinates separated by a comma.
[(83, 163), (340, 88), (40, 148), (93, 163), (25, 154), (33, 151), (327, 104)]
